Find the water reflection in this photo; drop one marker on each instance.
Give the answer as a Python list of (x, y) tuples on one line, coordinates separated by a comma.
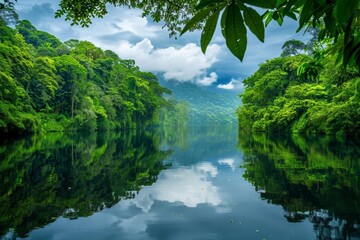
[(315, 179), (44, 177), (288, 188), (186, 186)]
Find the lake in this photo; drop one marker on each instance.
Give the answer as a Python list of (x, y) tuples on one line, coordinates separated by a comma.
[(192, 183)]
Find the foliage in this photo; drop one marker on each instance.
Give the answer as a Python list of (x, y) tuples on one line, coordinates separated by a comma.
[(338, 19), (295, 94), (47, 85)]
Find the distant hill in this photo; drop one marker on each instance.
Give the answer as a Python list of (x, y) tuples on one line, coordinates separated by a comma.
[(205, 105)]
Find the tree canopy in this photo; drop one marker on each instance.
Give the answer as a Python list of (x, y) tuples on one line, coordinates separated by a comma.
[(338, 20), (301, 95), (47, 85)]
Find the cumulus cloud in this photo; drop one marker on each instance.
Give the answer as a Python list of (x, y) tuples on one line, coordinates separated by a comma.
[(184, 64), (136, 25), (207, 81), (234, 84)]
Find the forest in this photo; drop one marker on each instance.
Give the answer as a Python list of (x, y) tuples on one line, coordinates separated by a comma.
[(304, 90), (47, 85)]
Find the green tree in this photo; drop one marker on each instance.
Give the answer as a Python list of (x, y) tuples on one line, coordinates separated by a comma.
[(72, 74), (292, 48), (35, 37), (43, 85)]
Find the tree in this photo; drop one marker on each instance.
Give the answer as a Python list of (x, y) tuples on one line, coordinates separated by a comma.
[(43, 85), (339, 20), (292, 47), (35, 37), (72, 75)]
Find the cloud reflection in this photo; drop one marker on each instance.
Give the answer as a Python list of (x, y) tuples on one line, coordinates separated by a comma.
[(188, 186), (228, 161)]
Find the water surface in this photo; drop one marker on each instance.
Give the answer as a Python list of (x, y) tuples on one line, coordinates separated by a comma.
[(194, 183)]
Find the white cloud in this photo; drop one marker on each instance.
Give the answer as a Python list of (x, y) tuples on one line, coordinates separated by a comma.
[(234, 84), (137, 25), (188, 186), (207, 81), (184, 64), (228, 161)]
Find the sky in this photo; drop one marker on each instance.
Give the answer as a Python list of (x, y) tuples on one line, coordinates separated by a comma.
[(129, 35)]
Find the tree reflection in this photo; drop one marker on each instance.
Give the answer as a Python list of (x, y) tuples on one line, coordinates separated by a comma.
[(317, 179), (44, 177)]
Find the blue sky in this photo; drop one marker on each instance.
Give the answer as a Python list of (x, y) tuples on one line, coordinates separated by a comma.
[(132, 37)]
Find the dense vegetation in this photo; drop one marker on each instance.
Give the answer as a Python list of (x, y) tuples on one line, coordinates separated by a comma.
[(47, 85), (305, 93), (45, 177)]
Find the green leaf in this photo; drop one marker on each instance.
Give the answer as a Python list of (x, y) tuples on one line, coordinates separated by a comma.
[(280, 20), (261, 3), (329, 21), (269, 17), (235, 31), (288, 7), (345, 9), (205, 3), (200, 16), (254, 22), (223, 22), (306, 13), (209, 30), (291, 15)]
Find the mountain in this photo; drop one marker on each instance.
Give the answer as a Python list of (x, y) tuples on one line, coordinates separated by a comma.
[(205, 105)]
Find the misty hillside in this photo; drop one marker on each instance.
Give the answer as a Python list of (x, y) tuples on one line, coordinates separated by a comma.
[(205, 105)]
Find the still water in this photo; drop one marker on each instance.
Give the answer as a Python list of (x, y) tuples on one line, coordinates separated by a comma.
[(194, 183)]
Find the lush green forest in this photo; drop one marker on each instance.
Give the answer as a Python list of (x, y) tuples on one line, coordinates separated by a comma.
[(47, 85), (303, 91)]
